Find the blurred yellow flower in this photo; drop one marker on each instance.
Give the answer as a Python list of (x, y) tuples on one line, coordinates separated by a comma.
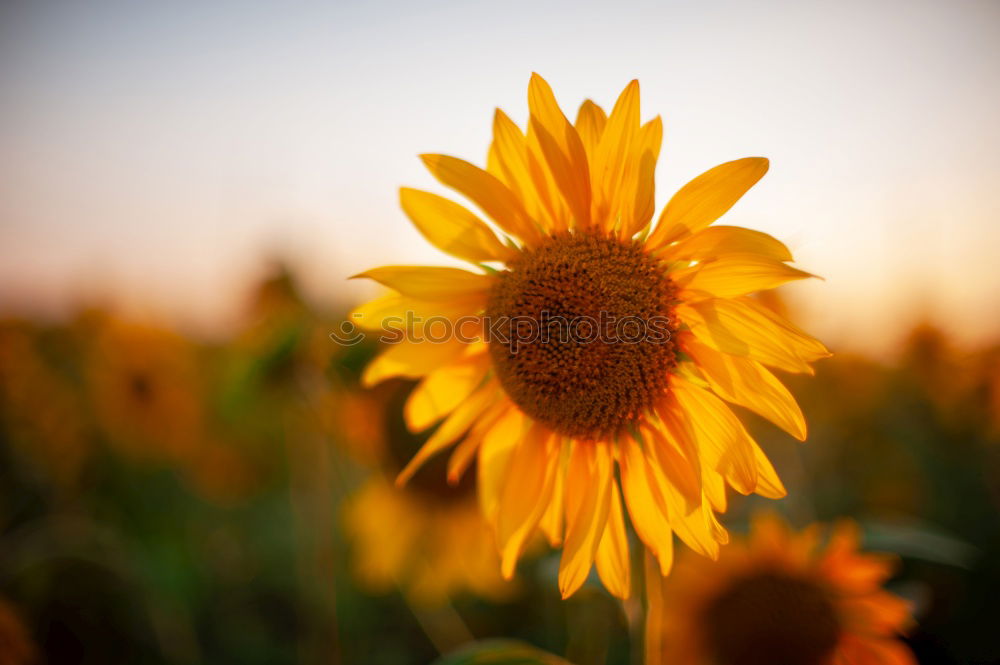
[(432, 546), (427, 538), (778, 599), (146, 388), (149, 400), (550, 415), (39, 407)]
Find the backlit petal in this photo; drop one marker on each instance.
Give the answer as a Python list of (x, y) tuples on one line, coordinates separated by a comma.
[(588, 500), (525, 494), (410, 360), (705, 199), (732, 275), (642, 178), (745, 382), (457, 423), (513, 166), (432, 283), (613, 152), (612, 553), (744, 327), (721, 437), (649, 516), (590, 122), (717, 240), (562, 148), (485, 190), (452, 228), (494, 457), (444, 389)]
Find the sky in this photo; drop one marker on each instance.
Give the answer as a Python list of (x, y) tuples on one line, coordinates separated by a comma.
[(158, 155)]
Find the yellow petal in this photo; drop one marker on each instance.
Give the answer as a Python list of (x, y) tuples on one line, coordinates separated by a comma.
[(745, 382), (674, 464), (677, 427), (457, 423), (697, 527), (485, 190), (494, 458), (733, 275), (717, 240), (553, 519), (705, 199), (522, 173), (466, 451), (431, 282), (769, 485), (590, 122), (525, 494), (743, 327), (401, 313), (561, 147), (410, 360), (649, 516), (613, 152), (642, 178), (510, 159), (452, 228), (612, 553), (714, 486), (721, 437), (588, 500), (442, 390)]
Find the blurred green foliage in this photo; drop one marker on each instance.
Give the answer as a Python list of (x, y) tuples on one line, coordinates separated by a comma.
[(208, 527)]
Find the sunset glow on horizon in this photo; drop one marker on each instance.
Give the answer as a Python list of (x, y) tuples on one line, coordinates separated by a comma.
[(159, 158)]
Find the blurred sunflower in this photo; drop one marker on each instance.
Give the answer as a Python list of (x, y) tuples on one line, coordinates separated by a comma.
[(145, 384), (148, 389), (427, 538), (432, 544), (550, 416), (40, 410), (778, 599)]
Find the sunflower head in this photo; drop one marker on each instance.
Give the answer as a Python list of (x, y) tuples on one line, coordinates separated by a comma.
[(40, 410), (778, 598), (146, 384), (585, 337)]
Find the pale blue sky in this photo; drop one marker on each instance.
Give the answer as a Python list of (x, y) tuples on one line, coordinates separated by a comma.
[(156, 154)]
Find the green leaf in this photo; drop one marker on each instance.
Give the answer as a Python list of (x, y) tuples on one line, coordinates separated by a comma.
[(500, 652)]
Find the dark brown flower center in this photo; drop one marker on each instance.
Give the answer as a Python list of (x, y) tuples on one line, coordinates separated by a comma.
[(140, 387), (771, 619), (585, 325)]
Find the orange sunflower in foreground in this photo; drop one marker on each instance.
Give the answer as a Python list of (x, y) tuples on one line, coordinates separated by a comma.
[(550, 416), (779, 599)]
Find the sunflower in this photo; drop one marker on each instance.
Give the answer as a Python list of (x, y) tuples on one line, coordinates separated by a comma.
[(427, 538), (145, 384), (635, 339), (778, 599), (431, 547), (40, 412)]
